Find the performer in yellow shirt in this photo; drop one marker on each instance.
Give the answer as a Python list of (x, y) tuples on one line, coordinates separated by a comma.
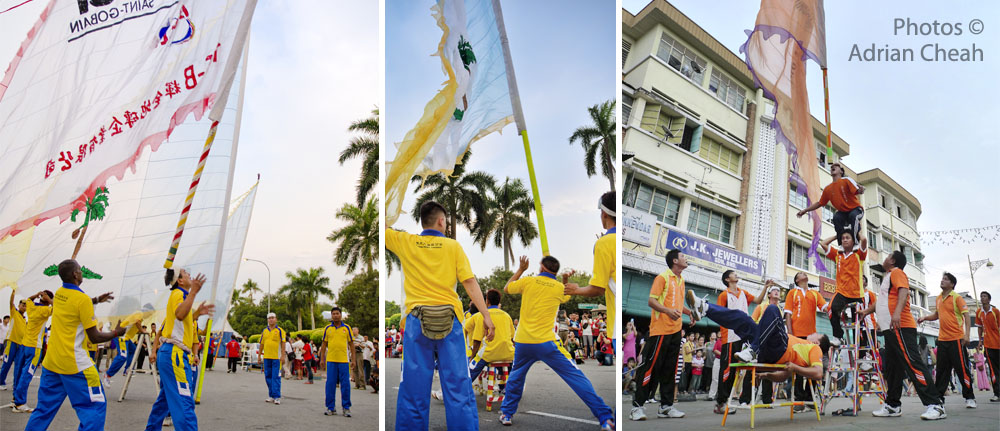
[(12, 351), (337, 351), (432, 265), (604, 280), (66, 371), (272, 340), (535, 340), (31, 349), (501, 349), (177, 337)]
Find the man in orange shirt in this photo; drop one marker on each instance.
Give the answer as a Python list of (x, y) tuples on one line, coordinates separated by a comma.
[(953, 336), (801, 305), (769, 342), (842, 193), (659, 354), (988, 321), (733, 298), (850, 268), (892, 313)]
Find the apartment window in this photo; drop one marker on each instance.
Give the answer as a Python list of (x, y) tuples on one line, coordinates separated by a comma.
[(821, 152), (883, 201), (682, 59), (626, 47), (711, 224), (720, 155), (728, 91), (798, 256), (626, 107), (899, 212), (831, 268), (908, 252), (923, 300), (887, 244), (873, 240), (658, 121), (659, 203), (795, 199), (828, 212)]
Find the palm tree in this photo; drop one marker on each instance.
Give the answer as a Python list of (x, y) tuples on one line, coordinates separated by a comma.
[(460, 193), (599, 136), (304, 287), (364, 145), (358, 241), (249, 288), (95, 208), (508, 209)]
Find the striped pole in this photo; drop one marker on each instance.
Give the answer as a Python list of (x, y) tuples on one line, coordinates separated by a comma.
[(190, 196), (826, 102)]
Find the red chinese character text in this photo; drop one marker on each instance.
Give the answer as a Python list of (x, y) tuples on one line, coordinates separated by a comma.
[(49, 167), (173, 88), (82, 153), (131, 118), (67, 158), (145, 109), (115, 126)]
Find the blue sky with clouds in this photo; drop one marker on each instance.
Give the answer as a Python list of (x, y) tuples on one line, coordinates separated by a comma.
[(564, 58), (313, 69), (929, 125)]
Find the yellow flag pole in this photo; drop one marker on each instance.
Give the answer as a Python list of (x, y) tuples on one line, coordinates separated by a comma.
[(829, 135), (515, 100), (204, 358)]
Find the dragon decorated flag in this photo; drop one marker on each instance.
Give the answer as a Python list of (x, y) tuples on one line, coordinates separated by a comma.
[(104, 112), (474, 102), (787, 33)]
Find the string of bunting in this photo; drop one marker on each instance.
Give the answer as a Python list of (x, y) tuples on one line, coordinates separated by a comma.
[(965, 236)]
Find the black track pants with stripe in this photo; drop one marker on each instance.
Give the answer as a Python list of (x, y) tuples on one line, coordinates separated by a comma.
[(952, 356), (659, 365), (902, 358)]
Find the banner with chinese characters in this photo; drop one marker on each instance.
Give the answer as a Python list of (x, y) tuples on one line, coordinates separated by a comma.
[(102, 122), (474, 102)]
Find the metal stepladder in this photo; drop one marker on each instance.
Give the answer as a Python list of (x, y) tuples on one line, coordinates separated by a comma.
[(864, 362), (750, 370), (132, 369)]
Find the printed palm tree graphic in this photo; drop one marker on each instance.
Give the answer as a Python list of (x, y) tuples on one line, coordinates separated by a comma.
[(468, 57), (94, 209)]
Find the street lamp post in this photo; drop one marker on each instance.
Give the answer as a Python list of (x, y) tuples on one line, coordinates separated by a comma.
[(268, 281), (973, 266)]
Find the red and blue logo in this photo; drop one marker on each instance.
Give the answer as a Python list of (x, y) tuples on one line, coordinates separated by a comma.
[(168, 32)]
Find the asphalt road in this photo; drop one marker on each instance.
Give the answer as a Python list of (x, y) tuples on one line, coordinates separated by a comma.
[(547, 403), (228, 402), (699, 416)]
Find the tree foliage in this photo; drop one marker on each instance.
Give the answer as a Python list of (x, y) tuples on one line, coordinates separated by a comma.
[(512, 303), (359, 299)]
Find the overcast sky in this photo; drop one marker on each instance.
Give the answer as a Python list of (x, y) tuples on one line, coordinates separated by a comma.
[(929, 125), (564, 59), (313, 69)]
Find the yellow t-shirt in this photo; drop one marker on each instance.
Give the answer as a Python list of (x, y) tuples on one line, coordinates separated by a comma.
[(502, 347), (605, 265), (337, 339), (432, 265), (540, 299), (178, 329), (37, 315), (271, 342), (469, 327), (72, 315), (17, 326)]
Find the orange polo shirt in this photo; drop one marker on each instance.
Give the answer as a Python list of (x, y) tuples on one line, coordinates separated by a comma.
[(801, 353), (849, 270), (801, 306), (842, 194), (898, 280), (950, 321), (668, 290), (991, 327)]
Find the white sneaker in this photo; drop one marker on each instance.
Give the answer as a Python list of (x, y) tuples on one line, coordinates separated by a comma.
[(637, 414), (669, 412), (23, 408), (277, 401), (933, 413), (746, 355), (269, 400), (168, 422), (888, 411), (970, 403), (744, 405), (3, 387), (437, 395), (698, 306)]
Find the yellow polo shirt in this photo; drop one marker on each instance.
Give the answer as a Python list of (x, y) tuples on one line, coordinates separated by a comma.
[(605, 265), (72, 315), (337, 339), (37, 316), (432, 265), (502, 347), (17, 328), (271, 341), (540, 299), (182, 330), (469, 327)]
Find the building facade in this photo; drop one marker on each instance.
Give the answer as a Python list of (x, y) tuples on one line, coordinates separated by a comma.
[(703, 173)]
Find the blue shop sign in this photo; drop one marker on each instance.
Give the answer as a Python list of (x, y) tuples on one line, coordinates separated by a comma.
[(710, 252)]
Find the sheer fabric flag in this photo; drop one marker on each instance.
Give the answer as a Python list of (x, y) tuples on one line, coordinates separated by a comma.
[(474, 102), (787, 33)]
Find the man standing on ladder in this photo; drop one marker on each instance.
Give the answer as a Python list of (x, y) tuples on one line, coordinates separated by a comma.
[(953, 336), (850, 261)]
